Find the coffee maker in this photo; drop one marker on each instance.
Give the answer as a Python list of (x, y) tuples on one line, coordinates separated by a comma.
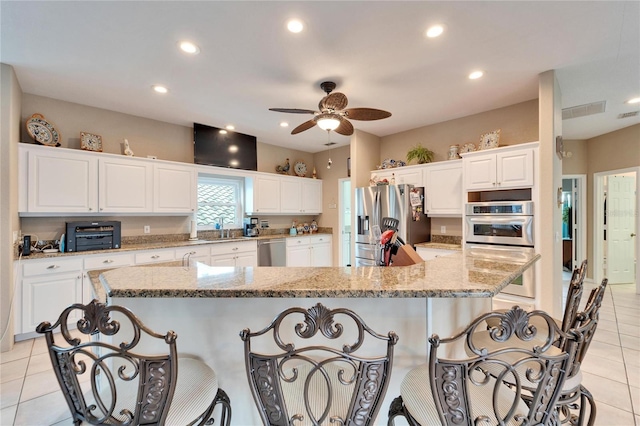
[(251, 227)]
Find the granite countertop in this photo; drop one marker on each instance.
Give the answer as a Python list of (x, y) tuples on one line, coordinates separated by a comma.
[(440, 246), (457, 275), (164, 244)]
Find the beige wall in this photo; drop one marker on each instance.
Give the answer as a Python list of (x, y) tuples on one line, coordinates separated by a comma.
[(270, 156), (11, 97), (518, 124), (330, 216), (612, 151), (146, 137), (575, 162)]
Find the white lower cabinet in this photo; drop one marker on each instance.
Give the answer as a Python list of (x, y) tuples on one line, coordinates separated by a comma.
[(432, 253), (234, 253), (48, 286), (310, 251), (194, 254)]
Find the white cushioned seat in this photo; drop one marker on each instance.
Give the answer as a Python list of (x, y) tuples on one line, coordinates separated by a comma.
[(418, 399)]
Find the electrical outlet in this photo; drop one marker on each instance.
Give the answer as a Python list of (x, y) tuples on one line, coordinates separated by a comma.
[(443, 229), (147, 229)]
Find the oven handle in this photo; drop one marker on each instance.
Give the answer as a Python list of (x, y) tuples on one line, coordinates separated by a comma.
[(500, 220)]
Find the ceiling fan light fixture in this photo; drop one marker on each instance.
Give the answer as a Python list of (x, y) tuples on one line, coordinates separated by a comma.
[(327, 121)]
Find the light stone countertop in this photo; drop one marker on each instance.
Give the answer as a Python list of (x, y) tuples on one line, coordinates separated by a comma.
[(456, 275), (440, 246)]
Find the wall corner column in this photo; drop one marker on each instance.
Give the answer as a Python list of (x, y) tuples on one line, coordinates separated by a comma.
[(548, 233)]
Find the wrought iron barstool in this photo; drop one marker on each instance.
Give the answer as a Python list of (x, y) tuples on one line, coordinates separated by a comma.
[(334, 379), (486, 387), (105, 381)]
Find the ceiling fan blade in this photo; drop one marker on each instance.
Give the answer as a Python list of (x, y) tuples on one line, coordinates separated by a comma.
[(304, 126), (293, 110), (335, 101), (366, 114), (345, 127)]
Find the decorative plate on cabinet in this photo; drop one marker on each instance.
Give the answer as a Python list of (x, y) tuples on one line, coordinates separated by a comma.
[(467, 147), (90, 142), (300, 169), (489, 140), (42, 131)]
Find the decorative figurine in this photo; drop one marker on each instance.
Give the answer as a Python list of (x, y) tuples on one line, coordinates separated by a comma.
[(127, 149), (284, 169), (314, 174)]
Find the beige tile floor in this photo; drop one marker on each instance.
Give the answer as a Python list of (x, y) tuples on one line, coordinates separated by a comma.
[(29, 392)]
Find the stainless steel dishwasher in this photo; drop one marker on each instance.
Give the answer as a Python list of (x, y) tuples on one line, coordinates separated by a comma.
[(272, 252)]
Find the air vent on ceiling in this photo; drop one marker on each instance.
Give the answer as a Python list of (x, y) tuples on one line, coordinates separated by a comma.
[(329, 143), (583, 110), (629, 114)]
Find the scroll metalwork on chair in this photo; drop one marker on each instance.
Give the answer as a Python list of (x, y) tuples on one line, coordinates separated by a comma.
[(335, 379), (106, 381), (485, 385)]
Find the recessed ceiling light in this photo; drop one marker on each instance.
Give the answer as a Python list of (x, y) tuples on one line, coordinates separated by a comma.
[(284, 124), (295, 26), (435, 31), (230, 127), (188, 47), (159, 88), (634, 101), (222, 132), (475, 75)]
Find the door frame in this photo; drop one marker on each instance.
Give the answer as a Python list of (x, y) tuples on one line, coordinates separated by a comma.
[(341, 220), (581, 249), (598, 226)]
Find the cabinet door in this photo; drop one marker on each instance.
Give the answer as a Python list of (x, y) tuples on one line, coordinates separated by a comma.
[(312, 196), (62, 182), (44, 297), (409, 177), (223, 260), (321, 254), (515, 169), (299, 256), (480, 172), (266, 196), (291, 196), (125, 186), (444, 189), (174, 189), (247, 259)]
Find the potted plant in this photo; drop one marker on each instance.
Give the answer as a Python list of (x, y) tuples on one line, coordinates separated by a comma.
[(420, 154)]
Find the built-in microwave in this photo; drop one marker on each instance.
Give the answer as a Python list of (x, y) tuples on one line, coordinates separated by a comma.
[(500, 222)]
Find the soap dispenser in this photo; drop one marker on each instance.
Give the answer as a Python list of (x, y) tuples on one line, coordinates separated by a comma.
[(293, 230)]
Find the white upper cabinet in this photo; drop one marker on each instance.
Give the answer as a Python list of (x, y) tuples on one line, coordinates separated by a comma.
[(262, 194), (409, 175), (273, 194), (65, 181), (499, 169), (58, 181), (170, 183), (443, 188), (125, 187)]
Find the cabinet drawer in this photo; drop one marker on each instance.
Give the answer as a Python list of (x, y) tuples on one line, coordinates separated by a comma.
[(233, 247), (108, 261), (155, 256), (199, 251), (50, 266), (319, 239), (298, 241)]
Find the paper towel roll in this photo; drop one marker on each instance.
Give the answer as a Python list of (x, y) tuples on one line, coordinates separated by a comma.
[(194, 231)]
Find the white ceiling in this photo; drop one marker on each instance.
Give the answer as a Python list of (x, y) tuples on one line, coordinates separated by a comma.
[(108, 54)]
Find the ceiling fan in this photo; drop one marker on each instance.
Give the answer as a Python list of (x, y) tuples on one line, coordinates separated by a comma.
[(332, 114)]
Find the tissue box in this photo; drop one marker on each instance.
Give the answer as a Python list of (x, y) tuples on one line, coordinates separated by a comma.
[(406, 256)]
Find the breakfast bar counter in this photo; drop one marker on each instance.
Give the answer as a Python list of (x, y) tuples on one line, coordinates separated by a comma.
[(208, 307)]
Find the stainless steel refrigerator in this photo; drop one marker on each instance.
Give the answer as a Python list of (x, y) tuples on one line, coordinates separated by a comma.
[(402, 202)]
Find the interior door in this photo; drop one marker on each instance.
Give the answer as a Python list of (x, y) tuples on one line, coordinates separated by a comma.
[(620, 213)]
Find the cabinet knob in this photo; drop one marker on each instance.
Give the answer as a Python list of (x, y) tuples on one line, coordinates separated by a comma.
[(101, 208), (90, 208), (53, 267), (108, 261), (155, 256), (235, 248)]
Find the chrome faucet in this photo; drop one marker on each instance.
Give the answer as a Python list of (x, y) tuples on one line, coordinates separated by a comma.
[(221, 222)]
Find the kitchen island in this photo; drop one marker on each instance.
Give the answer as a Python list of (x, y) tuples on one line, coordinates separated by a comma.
[(208, 306)]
